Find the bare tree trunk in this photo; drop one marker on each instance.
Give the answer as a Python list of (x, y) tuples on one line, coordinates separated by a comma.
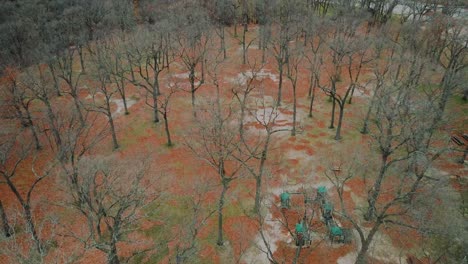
[(280, 83), (123, 96), (220, 240), (36, 137), (258, 179), (112, 257), (155, 101), (80, 53), (223, 43), (54, 77), (112, 127), (365, 127), (27, 213), (51, 120), (311, 85), (76, 101), (351, 95), (235, 28), (305, 38), (293, 131), (32, 228), (193, 103), (340, 120), (312, 98), (298, 253), (166, 126), (8, 231), (258, 193), (263, 53), (244, 48), (311, 103), (332, 121), (125, 105), (242, 116), (375, 191), (361, 258), (192, 89), (33, 129)]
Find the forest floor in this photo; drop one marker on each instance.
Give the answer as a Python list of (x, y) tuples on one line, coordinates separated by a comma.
[(294, 164)]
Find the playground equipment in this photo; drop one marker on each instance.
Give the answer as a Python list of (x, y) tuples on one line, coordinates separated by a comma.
[(285, 199), (335, 232), (303, 234), (302, 230), (321, 193), (327, 213)]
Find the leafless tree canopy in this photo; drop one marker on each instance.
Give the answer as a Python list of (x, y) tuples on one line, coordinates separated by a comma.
[(368, 93)]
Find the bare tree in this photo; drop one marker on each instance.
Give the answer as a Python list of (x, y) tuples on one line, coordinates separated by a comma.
[(12, 155), (450, 51), (193, 44), (245, 87), (404, 205), (71, 77), (401, 129), (357, 60), (37, 81), (321, 7), (245, 23), (148, 58), (164, 101), (18, 99), (109, 197), (313, 53), (7, 229), (288, 18), (120, 68), (103, 63), (216, 141), (381, 10), (347, 49), (223, 14), (266, 117), (188, 234), (294, 61), (391, 135), (263, 11), (385, 42)]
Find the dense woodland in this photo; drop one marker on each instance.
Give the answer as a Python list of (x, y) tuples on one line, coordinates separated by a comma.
[(158, 131)]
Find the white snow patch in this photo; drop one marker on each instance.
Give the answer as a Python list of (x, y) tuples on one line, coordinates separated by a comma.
[(381, 248), (119, 102), (360, 93), (243, 77), (240, 49), (273, 234), (349, 258), (184, 85), (120, 105), (184, 75), (264, 114), (361, 89), (300, 155)]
